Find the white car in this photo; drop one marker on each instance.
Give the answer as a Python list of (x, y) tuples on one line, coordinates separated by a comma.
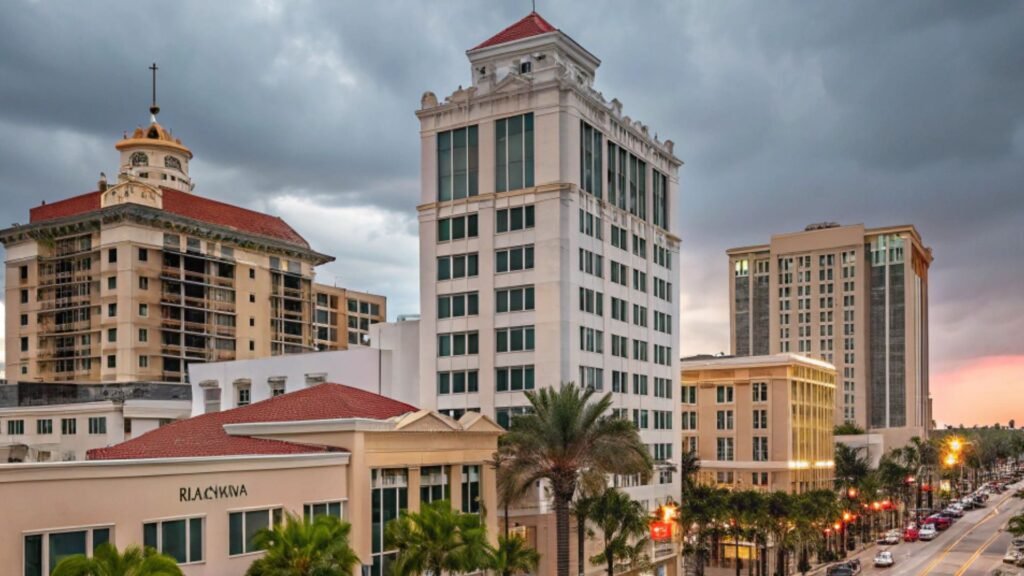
[(927, 532), (890, 538), (884, 559)]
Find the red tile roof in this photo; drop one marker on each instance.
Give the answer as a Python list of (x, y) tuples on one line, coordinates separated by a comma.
[(183, 204), (205, 436), (532, 25)]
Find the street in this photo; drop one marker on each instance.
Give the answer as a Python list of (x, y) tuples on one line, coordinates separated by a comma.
[(973, 546)]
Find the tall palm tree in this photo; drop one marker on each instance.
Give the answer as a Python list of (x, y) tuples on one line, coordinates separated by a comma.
[(623, 523), (437, 540), (107, 561), (513, 556), (851, 468), (689, 467), (299, 547), (565, 435), (779, 510), (703, 510), (510, 490)]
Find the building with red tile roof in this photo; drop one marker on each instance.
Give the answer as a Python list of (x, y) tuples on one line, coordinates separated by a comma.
[(533, 24)]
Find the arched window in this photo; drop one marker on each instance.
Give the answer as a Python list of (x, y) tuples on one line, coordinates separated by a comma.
[(172, 162), (140, 159)]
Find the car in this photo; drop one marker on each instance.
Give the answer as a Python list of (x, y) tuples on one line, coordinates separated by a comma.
[(979, 502), (949, 515), (1011, 557), (927, 532), (890, 538), (953, 512), (968, 503), (1017, 542), (843, 569), (911, 534), (884, 559), (940, 522)]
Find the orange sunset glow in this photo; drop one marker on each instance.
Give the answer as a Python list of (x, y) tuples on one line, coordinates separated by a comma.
[(981, 391)]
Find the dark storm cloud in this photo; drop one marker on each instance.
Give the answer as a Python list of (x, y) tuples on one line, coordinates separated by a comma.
[(785, 113)]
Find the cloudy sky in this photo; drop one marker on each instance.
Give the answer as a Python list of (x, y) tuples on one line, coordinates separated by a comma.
[(785, 113)]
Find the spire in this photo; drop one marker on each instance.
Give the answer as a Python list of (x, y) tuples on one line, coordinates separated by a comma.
[(154, 109)]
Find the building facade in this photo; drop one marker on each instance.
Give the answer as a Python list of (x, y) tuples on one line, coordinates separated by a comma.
[(855, 297), (760, 422), (200, 488), (47, 422), (548, 242), (142, 277)]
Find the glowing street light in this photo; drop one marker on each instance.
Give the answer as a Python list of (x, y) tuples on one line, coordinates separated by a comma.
[(955, 445), (950, 459)]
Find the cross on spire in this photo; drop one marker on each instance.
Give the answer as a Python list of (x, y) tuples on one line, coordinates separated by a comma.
[(154, 109)]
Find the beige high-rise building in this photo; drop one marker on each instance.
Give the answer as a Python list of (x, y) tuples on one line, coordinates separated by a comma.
[(134, 281), (855, 297), (549, 246), (760, 422)]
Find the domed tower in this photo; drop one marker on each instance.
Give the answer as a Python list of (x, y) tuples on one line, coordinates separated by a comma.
[(153, 155)]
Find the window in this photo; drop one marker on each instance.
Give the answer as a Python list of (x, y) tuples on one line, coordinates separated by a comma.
[(590, 225), (592, 378), (760, 448), (760, 419), (620, 382), (458, 266), (723, 394), (471, 489), (180, 539), (663, 355), (243, 526), (143, 310), (689, 420), (112, 283), (663, 257), (112, 255), (24, 343), (24, 319), (620, 273), (389, 497), (458, 164), (143, 255), (457, 228), (513, 147), (61, 545), (23, 272), (505, 416), (68, 426), (760, 391), (659, 193), (434, 483), (759, 478), (591, 301), (98, 425), (111, 334), (143, 283), (640, 281), (619, 310), (639, 350), (311, 511), (661, 451), (663, 289), (243, 394), (688, 394), (662, 420), (514, 299), (617, 164), (24, 296), (640, 315), (111, 361), (515, 339), (640, 384), (620, 346), (513, 259), (458, 382), (662, 322), (640, 419), (512, 219), (15, 427), (639, 246), (143, 335), (458, 344), (637, 187), (112, 310), (277, 387), (662, 388), (458, 305), (725, 449), (514, 378), (591, 340), (724, 420), (591, 263), (591, 172)]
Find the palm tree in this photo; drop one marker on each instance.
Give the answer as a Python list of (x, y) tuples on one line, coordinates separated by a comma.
[(851, 468), (299, 547), (564, 436), (107, 561), (513, 556), (703, 510), (1016, 525), (437, 539), (689, 466), (623, 523), (509, 490), (778, 510), (581, 509)]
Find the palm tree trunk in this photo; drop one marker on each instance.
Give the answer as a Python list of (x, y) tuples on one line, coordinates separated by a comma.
[(506, 521), (562, 535), (609, 557), (580, 537), (736, 541)]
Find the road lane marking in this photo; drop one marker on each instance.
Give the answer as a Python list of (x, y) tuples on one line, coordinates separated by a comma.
[(978, 553), (942, 556)]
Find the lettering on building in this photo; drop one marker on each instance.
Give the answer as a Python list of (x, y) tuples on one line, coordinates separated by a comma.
[(200, 493)]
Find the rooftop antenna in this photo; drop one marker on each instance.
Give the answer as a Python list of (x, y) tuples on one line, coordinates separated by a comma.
[(154, 109), (534, 3)]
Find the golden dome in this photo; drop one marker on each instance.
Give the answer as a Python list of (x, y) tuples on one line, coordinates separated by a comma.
[(153, 135)]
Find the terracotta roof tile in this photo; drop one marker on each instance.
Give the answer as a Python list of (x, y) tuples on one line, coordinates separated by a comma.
[(531, 25), (205, 436), (187, 205)]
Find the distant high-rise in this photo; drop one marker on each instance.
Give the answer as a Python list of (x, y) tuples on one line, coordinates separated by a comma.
[(854, 297)]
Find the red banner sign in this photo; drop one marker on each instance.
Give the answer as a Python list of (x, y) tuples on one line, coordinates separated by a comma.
[(661, 530)]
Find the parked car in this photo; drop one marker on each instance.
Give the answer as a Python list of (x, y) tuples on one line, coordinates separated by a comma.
[(1012, 555), (949, 515), (927, 532), (889, 538), (953, 512), (884, 559), (968, 503), (940, 522), (843, 569), (911, 534)]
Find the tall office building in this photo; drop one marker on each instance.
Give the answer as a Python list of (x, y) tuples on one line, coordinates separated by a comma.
[(855, 297), (548, 243), (134, 281)]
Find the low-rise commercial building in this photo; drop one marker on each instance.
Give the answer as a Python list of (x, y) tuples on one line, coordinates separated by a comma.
[(760, 422), (200, 488)]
